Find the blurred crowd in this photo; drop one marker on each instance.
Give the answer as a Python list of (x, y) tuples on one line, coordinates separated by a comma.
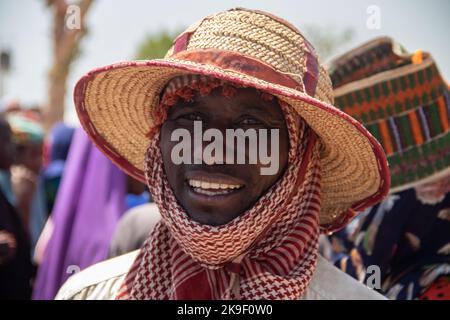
[(60, 204)]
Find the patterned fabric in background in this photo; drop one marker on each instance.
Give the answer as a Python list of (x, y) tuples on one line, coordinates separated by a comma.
[(408, 240), (404, 102)]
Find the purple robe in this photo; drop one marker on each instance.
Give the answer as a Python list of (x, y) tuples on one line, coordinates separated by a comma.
[(88, 205)]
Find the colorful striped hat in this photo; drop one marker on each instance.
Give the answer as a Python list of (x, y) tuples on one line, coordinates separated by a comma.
[(25, 129), (119, 104), (403, 101)]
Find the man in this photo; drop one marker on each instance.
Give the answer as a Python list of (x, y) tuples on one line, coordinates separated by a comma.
[(239, 220)]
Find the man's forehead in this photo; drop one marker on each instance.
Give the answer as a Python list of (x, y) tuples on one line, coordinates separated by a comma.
[(249, 99)]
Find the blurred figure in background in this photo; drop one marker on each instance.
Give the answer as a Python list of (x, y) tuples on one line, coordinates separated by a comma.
[(137, 193), (28, 136), (90, 201), (405, 103), (133, 228), (15, 265), (8, 152), (58, 148)]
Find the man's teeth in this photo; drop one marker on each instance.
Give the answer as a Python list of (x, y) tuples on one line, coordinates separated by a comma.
[(213, 192), (211, 185)]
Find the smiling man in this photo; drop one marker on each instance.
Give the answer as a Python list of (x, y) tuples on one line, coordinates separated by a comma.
[(216, 191), (230, 229)]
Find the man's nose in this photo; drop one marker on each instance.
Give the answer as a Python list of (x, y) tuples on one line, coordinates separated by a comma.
[(202, 152), (203, 149), (210, 159)]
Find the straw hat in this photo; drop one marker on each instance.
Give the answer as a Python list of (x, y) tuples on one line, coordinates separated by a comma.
[(404, 102), (116, 104)]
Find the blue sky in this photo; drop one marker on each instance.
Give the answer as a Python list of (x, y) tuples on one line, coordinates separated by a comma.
[(117, 27)]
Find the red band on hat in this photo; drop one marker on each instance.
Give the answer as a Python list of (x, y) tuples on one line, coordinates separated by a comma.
[(181, 42), (311, 78), (243, 64)]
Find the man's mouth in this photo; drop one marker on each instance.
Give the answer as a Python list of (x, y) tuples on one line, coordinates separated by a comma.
[(208, 184), (211, 188)]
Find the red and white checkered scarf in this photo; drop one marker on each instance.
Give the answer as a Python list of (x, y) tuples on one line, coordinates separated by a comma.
[(269, 252)]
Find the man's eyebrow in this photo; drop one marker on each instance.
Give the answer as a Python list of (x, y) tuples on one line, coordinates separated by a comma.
[(265, 110), (180, 107)]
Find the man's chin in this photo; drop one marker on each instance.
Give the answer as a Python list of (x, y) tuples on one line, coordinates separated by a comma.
[(207, 219), (212, 215)]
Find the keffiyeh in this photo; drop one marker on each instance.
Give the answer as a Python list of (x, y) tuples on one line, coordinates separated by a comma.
[(268, 252)]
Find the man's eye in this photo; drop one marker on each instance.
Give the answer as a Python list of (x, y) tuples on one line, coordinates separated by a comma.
[(191, 117), (250, 121)]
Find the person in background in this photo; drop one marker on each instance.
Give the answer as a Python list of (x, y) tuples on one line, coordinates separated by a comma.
[(137, 222), (404, 102), (16, 270), (28, 136), (58, 145), (89, 203), (8, 152), (133, 228)]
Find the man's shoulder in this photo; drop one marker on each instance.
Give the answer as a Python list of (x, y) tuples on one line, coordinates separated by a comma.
[(100, 281), (330, 283)]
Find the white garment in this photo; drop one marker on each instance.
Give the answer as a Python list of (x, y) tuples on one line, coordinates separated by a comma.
[(102, 281), (133, 229)]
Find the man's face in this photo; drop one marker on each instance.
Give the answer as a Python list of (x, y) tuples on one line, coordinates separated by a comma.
[(212, 193)]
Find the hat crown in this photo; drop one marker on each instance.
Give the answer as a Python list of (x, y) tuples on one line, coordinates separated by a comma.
[(264, 37)]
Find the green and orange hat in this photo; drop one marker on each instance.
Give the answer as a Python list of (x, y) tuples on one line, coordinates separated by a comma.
[(403, 100)]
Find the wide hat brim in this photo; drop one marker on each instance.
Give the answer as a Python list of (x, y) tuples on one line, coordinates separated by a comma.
[(115, 106)]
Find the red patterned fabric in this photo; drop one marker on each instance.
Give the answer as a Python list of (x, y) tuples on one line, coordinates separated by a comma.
[(438, 290), (269, 252)]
